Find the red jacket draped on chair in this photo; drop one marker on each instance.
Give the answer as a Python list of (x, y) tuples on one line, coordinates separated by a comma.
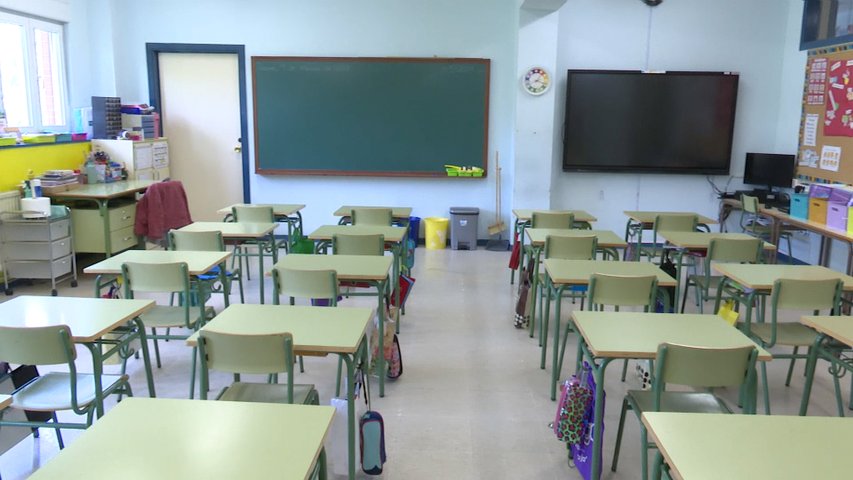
[(163, 207)]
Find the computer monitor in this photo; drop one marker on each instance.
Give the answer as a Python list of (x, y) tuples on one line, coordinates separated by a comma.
[(770, 169)]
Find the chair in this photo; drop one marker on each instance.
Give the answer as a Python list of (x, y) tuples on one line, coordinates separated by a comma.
[(792, 294), (254, 214), (346, 244), (751, 223), (698, 367), (372, 216), (670, 222), (207, 242), (53, 391), (167, 278), (552, 220), (265, 354), (564, 248), (731, 250)]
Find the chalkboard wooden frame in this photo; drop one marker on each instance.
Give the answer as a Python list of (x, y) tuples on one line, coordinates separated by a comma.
[(263, 168)]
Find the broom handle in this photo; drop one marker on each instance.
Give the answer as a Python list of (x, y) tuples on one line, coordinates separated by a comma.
[(498, 186)]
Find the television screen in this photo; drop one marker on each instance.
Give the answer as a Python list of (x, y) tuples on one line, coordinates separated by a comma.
[(769, 169), (629, 121)]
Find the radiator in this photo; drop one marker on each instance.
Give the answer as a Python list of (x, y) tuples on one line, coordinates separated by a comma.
[(9, 202)]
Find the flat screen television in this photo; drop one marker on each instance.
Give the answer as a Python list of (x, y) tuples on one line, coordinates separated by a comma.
[(769, 169), (630, 121)]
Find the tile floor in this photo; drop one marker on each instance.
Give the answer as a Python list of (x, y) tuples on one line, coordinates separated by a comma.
[(472, 402)]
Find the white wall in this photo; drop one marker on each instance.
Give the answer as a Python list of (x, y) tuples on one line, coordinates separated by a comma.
[(416, 28), (747, 36)]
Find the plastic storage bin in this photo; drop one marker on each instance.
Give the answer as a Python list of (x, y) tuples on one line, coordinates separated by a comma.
[(836, 212), (414, 228), (819, 202), (436, 232), (799, 205), (463, 229)]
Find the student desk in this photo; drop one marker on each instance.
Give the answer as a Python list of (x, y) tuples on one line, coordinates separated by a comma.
[(237, 232), (371, 269), (315, 330), (640, 220), (607, 241), (394, 238), (561, 274), (101, 194), (89, 320), (524, 217), (197, 263), (835, 335), (607, 336), (782, 220), (757, 279), (702, 446), (171, 438), (289, 213), (399, 214), (698, 242)]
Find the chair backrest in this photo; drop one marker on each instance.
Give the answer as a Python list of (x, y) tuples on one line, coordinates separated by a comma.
[(346, 244), (321, 284), (675, 222), (571, 248), (552, 220), (750, 204), (734, 250), (155, 277), (49, 345), (371, 216), (197, 241), (250, 354), (622, 291), (702, 367), (253, 213), (793, 294)]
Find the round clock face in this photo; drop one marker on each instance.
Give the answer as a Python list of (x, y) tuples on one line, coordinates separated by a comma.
[(536, 81)]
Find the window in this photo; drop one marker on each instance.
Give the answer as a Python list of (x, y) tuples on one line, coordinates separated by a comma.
[(32, 74)]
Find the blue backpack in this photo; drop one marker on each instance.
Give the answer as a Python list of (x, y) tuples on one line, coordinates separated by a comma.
[(372, 432)]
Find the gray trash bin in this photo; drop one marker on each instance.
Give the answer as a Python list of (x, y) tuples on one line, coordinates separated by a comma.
[(463, 227)]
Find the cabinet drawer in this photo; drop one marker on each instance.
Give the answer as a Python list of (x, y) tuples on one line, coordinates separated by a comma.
[(122, 239), (36, 269), (37, 250), (37, 233), (122, 217)]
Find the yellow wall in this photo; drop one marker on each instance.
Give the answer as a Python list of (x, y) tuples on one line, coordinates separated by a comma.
[(15, 162)]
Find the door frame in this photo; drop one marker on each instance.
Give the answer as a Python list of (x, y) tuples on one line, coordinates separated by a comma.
[(152, 51)]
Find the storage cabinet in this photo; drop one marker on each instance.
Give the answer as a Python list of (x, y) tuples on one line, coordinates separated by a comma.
[(89, 227), (39, 248), (144, 160)]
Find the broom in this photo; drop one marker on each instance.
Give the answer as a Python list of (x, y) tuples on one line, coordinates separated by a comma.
[(498, 227)]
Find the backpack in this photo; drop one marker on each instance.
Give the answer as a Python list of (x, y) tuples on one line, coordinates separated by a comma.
[(395, 363), (575, 401), (371, 430), (525, 297)]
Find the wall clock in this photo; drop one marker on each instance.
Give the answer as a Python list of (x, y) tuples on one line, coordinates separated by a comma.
[(536, 81)]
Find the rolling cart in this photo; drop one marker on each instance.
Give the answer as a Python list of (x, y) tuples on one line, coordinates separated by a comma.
[(38, 248)]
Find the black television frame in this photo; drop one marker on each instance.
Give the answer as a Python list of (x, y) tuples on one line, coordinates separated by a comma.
[(651, 169)]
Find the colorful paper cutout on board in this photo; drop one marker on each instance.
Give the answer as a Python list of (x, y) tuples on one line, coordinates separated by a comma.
[(830, 158), (817, 81), (838, 121)]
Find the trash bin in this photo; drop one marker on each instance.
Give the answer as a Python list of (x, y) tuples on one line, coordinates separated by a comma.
[(463, 229), (436, 232), (414, 228)]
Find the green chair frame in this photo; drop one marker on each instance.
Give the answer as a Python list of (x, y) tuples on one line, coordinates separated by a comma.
[(731, 250), (254, 214), (166, 278), (207, 242), (267, 354), (669, 222), (52, 345), (692, 366), (751, 225)]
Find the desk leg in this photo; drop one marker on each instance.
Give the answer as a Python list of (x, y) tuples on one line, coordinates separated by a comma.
[(97, 372), (810, 368), (598, 415), (546, 317), (105, 219), (226, 287), (146, 359), (322, 471), (350, 363), (534, 284), (381, 367), (679, 263), (555, 366)]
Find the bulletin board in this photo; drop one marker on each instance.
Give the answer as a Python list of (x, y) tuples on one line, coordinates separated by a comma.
[(826, 129)]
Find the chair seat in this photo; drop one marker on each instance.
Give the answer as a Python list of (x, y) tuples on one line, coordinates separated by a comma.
[(52, 391), (787, 333), (682, 402), (269, 393), (164, 316)]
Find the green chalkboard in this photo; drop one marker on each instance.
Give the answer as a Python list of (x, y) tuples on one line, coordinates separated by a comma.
[(369, 116)]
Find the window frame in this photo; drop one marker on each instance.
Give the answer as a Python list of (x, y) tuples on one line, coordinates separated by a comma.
[(29, 25)]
